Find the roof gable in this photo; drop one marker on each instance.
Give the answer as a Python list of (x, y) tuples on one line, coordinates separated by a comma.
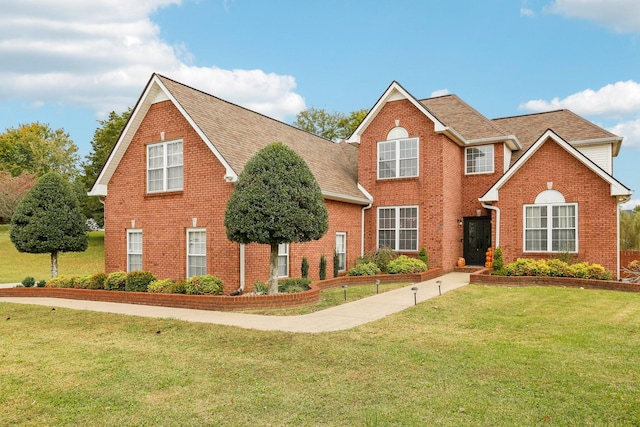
[(617, 189), (234, 134)]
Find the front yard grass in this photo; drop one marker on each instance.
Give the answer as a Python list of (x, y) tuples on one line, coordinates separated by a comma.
[(15, 266), (476, 356)]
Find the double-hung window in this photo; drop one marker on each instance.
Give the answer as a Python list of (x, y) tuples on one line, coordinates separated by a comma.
[(164, 167), (134, 250), (341, 250), (196, 252), (398, 158), (283, 260), (479, 159), (398, 228), (551, 228)]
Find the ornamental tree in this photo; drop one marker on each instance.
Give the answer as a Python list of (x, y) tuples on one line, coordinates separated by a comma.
[(276, 200), (49, 220)]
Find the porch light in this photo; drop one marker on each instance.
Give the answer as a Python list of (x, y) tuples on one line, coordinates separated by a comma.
[(459, 222)]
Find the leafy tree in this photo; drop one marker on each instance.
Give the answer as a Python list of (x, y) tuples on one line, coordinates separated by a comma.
[(12, 190), (37, 149), (48, 220), (630, 229), (332, 126), (276, 200), (104, 139)]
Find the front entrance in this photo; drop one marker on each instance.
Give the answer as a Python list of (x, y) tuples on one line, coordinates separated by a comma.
[(477, 239)]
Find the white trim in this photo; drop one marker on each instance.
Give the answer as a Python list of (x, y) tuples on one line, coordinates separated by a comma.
[(492, 164), (549, 227), (617, 189), (196, 230), (397, 226), (131, 231)]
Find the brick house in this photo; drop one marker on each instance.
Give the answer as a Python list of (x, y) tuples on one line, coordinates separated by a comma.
[(430, 173)]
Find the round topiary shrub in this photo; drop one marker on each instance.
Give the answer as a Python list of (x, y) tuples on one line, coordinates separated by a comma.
[(28, 282), (116, 281), (96, 281), (204, 285), (138, 281), (164, 286), (364, 269), (404, 265)]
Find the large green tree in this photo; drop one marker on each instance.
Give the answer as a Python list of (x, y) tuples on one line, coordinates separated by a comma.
[(49, 220), (37, 149), (630, 229), (333, 126), (276, 200), (104, 139)]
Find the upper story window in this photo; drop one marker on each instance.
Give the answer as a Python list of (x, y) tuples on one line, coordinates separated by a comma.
[(398, 155), (164, 167), (479, 159), (551, 225)]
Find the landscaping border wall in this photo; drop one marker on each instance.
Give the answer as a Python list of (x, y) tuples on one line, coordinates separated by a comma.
[(484, 277), (217, 303)]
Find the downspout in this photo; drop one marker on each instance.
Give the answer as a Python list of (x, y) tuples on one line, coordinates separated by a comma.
[(618, 241), (494, 208), (240, 290), (362, 228)]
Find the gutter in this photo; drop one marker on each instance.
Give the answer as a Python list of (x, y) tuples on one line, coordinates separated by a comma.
[(497, 210)]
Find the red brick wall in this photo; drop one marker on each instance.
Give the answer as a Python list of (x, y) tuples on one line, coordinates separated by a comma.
[(164, 218), (597, 220)]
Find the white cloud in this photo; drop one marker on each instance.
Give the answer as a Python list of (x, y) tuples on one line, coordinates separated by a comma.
[(631, 132), (99, 55), (615, 100), (630, 205), (439, 92), (622, 16)]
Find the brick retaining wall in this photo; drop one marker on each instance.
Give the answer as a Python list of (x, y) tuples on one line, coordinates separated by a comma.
[(217, 303)]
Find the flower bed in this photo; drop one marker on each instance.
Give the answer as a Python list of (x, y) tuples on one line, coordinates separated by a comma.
[(217, 303)]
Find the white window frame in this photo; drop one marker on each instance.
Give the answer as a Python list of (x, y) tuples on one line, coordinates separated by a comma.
[(397, 227), (133, 251), (201, 255), (177, 164), (283, 259), (552, 225), (473, 167), (396, 150), (341, 250)]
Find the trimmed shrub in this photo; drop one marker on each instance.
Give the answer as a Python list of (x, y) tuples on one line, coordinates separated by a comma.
[(28, 282), (293, 285), (304, 268), (380, 257), (555, 268), (204, 285), (81, 282), (179, 287), (498, 261), (164, 286), (116, 281), (424, 256), (138, 281), (96, 281), (323, 267), (60, 282), (41, 283), (404, 264), (364, 269), (336, 264), (584, 270)]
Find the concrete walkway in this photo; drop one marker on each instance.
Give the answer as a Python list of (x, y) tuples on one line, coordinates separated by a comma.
[(341, 317)]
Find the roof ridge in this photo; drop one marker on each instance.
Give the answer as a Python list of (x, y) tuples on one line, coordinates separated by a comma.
[(532, 114)]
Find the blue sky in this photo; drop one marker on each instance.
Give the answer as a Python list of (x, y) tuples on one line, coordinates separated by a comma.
[(69, 63)]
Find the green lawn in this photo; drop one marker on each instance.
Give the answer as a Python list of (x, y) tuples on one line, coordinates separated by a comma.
[(476, 356), (15, 266)]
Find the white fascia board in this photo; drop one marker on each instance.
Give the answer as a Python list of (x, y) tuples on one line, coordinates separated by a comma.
[(330, 195), (394, 92), (98, 190), (617, 189), (365, 192)]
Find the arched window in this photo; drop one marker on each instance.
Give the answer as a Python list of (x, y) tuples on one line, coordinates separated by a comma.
[(551, 224), (398, 155)]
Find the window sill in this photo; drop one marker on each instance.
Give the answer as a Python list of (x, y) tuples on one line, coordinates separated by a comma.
[(163, 194)]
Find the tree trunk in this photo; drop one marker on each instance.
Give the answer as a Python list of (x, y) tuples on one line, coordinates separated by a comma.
[(273, 269), (54, 264)]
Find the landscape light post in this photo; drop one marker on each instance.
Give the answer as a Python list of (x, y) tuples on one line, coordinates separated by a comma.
[(345, 291), (415, 295), (439, 282)]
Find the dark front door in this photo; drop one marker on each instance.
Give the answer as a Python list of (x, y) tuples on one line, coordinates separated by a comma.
[(477, 239)]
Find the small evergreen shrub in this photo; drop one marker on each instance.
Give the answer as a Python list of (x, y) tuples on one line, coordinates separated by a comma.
[(380, 257), (41, 283), (424, 256), (60, 282), (204, 285), (364, 269), (293, 285), (179, 287), (323, 267), (336, 264), (116, 281), (138, 281), (96, 281), (498, 261), (404, 264), (555, 268), (304, 268), (164, 286), (261, 287), (81, 282), (28, 282), (584, 270)]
